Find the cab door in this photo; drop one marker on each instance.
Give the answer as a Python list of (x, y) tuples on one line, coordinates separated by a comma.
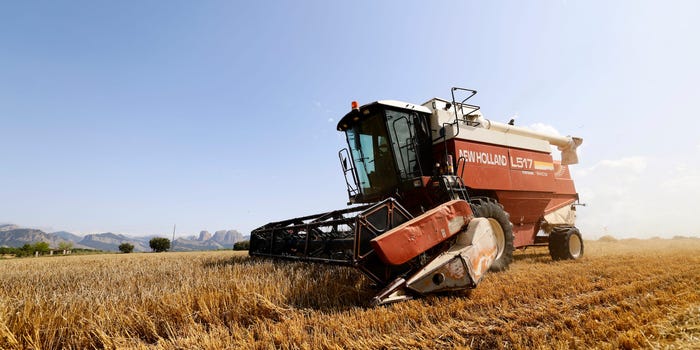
[(411, 143)]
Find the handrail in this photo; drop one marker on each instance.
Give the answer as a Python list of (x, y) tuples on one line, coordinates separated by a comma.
[(352, 191), (461, 160), (456, 122)]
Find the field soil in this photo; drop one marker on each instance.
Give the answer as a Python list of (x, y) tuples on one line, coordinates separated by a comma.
[(621, 294)]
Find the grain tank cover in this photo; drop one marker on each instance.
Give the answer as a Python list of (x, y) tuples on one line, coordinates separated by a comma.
[(462, 121)]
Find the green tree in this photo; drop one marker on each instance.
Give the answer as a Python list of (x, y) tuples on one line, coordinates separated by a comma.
[(41, 247), (242, 245), (26, 250), (65, 246), (159, 244), (127, 248), (8, 250)]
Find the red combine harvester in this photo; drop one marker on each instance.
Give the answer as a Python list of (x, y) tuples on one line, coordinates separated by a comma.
[(441, 195)]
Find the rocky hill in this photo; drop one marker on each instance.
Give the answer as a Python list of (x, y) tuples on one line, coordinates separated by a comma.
[(111, 241), (70, 237), (14, 236), (17, 237), (185, 244), (223, 239), (7, 227)]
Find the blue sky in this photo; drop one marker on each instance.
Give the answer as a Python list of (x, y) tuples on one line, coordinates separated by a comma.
[(133, 116)]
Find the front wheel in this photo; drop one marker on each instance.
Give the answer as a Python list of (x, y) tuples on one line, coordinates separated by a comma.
[(502, 229), (565, 243)]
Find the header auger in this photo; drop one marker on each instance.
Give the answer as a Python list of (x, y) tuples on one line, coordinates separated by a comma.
[(441, 195)]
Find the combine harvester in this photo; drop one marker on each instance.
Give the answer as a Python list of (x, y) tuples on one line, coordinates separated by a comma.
[(443, 195)]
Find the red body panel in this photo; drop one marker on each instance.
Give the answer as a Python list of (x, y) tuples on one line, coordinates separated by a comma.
[(528, 183), (403, 243)]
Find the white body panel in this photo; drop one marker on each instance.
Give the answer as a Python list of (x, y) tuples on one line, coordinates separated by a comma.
[(565, 215), (473, 126), (463, 265), (405, 105)]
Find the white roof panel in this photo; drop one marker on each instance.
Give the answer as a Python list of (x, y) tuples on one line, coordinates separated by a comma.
[(405, 105)]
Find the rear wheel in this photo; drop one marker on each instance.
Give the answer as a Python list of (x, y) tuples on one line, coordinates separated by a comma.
[(502, 230), (565, 243)]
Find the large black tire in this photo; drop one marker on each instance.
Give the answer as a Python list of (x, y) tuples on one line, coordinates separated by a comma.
[(494, 212), (565, 243)]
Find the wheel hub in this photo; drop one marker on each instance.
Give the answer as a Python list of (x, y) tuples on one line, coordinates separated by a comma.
[(575, 246)]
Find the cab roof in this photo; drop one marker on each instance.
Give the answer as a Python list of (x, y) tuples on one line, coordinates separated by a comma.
[(349, 118)]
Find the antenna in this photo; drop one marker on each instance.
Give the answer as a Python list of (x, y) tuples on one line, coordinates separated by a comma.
[(172, 245)]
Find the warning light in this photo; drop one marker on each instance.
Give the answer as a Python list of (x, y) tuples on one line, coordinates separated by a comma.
[(355, 105)]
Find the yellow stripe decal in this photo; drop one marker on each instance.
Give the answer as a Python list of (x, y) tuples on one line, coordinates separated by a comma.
[(544, 165)]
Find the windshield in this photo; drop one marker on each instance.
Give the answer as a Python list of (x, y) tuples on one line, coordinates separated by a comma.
[(369, 146)]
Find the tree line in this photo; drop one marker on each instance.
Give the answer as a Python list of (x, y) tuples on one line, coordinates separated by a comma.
[(31, 249), (157, 244)]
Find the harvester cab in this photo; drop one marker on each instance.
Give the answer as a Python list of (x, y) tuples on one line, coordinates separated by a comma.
[(390, 149), (439, 195)]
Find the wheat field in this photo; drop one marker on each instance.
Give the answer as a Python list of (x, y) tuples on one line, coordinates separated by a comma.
[(622, 294)]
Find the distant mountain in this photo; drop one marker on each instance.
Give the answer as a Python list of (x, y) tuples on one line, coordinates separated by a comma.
[(222, 239), (15, 236), (7, 227), (111, 241), (204, 235), (18, 237), (184, 244), (67, 236), (226, 238)]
